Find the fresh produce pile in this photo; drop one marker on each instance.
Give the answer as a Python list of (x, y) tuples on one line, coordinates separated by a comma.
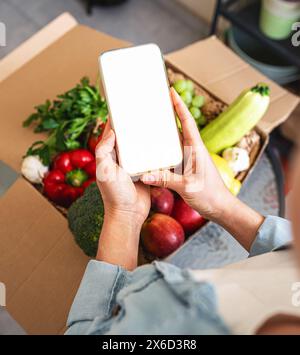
[(67, 120), (63, 166), (170, 221), (71, 174)]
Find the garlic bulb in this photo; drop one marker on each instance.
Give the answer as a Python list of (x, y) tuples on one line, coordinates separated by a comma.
[(237, 158), (33, 169)]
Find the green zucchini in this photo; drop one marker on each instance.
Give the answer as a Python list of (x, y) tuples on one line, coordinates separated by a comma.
[(237, 120)]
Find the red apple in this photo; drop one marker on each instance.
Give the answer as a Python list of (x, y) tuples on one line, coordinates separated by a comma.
[(189, 219), (161, 235), (162, 200)]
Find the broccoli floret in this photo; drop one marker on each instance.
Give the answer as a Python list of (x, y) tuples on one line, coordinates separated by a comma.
[(85, 218)]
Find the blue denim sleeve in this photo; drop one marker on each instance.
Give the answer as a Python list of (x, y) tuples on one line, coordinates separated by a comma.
[(96, 296), (273, 234), (153, 299)]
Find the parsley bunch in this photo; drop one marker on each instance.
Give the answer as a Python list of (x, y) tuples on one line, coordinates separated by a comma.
[(68, 120)]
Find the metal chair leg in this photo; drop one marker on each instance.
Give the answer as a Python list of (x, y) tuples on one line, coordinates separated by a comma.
[(215, 19), (89, 7)]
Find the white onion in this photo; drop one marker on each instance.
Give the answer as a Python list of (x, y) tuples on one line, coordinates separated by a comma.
[(33, 169), (237, 158)]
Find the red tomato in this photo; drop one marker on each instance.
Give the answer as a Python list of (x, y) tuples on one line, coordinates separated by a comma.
[(95, 138)]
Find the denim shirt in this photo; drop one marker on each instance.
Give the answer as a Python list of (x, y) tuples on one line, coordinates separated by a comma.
[(158, 298)]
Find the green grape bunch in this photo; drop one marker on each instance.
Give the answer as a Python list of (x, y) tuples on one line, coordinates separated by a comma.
[(186, 90)]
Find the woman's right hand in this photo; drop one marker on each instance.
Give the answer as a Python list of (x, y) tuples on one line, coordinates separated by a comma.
[(201, 186), (198, 183)]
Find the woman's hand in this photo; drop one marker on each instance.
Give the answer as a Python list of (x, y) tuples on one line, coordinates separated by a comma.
[(199, 183), (119, 193), (126, 206)]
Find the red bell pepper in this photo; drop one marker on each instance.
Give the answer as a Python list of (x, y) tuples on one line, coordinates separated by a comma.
[(72, 172)]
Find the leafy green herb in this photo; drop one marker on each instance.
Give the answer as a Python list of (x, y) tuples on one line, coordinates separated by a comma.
[(68, 120)]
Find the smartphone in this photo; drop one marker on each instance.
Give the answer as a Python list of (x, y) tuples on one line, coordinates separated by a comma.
[(140, 108)]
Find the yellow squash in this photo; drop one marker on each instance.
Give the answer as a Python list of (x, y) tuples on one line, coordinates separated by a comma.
[(227, 174)]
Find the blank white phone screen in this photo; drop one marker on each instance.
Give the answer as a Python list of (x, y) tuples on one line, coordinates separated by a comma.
[(142, 115)]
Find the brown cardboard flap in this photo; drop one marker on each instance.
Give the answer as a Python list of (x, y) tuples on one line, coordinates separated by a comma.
[(52, 72), (40, 264), (35, 44), (225, 74)]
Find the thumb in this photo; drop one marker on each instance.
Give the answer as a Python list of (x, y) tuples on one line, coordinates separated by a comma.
[(106, 168), (164, 179), (105, 147)]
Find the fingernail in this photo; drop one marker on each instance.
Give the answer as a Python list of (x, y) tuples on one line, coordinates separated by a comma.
[(148, 178), (174, 92)]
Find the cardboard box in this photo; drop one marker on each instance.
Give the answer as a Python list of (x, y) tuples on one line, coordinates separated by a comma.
[(40, 264)]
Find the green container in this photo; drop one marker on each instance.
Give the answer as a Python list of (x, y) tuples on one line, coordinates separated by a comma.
[(278, 16)]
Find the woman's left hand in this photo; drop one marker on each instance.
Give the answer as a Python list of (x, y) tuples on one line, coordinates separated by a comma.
[(121, 196), (126, 206)]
